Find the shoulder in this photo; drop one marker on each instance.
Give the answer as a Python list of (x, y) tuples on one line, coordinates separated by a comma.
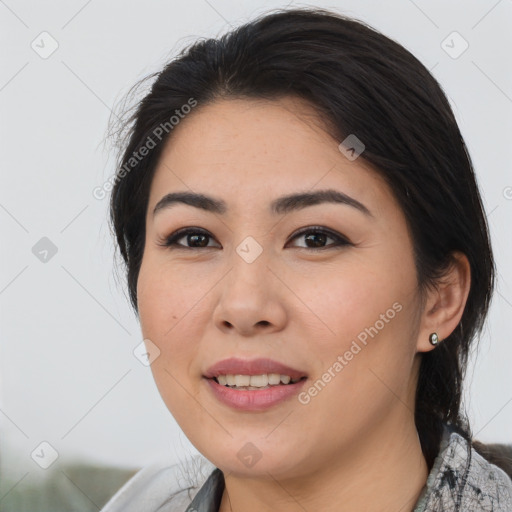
[(462, 479), (487, 485), (162, 486)]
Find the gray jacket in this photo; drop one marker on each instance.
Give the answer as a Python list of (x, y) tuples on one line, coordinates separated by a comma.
[(461, 480)]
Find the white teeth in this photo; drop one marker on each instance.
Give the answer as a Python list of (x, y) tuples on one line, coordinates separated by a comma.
[(242, 380), (259, 381), (255, 381), (274, 379)]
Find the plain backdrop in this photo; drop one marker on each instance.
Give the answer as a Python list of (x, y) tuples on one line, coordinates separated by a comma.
[(68, 375)]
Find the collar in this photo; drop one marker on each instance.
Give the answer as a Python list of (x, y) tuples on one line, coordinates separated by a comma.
[(460, 480)]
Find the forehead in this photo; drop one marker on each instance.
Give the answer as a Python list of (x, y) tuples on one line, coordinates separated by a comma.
[(250, 150)]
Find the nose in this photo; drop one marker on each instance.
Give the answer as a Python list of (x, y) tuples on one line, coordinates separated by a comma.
[(251, 299)]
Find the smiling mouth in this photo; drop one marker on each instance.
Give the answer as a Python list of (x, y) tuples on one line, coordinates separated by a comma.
[(256, 382)]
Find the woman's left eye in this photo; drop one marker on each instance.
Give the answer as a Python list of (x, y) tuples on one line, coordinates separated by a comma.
[(317, 237)]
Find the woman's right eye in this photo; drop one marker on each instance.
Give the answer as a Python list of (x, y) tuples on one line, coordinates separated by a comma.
[(197, 238)]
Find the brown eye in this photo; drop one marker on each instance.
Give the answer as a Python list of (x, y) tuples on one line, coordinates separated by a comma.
[(194, 239), (316, 238)]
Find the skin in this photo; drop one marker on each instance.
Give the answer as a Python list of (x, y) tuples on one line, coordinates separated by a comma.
[(301, 306)]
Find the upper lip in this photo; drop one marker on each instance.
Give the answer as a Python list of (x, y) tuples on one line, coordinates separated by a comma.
[(260, 366)]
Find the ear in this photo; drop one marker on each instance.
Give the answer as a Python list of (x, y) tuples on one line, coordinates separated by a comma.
[(445, 302)]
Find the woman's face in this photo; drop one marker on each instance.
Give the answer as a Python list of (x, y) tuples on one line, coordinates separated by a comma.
[(253, 280)]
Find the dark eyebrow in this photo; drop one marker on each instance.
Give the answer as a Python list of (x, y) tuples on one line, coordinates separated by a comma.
[(292, 202), (201, 201), (281, 205)]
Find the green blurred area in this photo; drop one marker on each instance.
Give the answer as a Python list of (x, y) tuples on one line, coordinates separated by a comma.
[(68, 488)]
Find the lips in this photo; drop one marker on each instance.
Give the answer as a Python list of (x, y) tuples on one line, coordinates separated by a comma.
[(255, 400), (260, 366)]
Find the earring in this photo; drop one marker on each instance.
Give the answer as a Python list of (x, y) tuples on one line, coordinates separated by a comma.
[(434, 338)]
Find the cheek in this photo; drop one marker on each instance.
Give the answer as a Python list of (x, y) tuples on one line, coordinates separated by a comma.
[(362, 349), (169, 305), (165, 295), (368, 318), (166, 311), (347, 300)]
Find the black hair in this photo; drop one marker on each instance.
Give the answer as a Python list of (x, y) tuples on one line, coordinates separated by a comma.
[(360, 82)]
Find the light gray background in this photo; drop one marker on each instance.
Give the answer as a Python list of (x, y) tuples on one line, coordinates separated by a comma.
[(68, 374)]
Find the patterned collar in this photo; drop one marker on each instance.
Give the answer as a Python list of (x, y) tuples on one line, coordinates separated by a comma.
[(461, 480)]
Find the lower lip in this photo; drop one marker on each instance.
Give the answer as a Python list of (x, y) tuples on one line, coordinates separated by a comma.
[(254, 400)]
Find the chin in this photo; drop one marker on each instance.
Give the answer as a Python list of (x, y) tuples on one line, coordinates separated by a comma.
[(255, 459)]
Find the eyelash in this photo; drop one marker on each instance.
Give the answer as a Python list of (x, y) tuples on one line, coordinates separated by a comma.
[(171, 240)]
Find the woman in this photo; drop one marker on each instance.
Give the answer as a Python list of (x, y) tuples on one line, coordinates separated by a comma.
[(309, 258)]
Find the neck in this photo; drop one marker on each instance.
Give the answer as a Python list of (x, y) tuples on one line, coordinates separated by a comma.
[(383, 470)]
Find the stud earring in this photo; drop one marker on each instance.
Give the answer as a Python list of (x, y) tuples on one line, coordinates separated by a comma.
[(434, 338)]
